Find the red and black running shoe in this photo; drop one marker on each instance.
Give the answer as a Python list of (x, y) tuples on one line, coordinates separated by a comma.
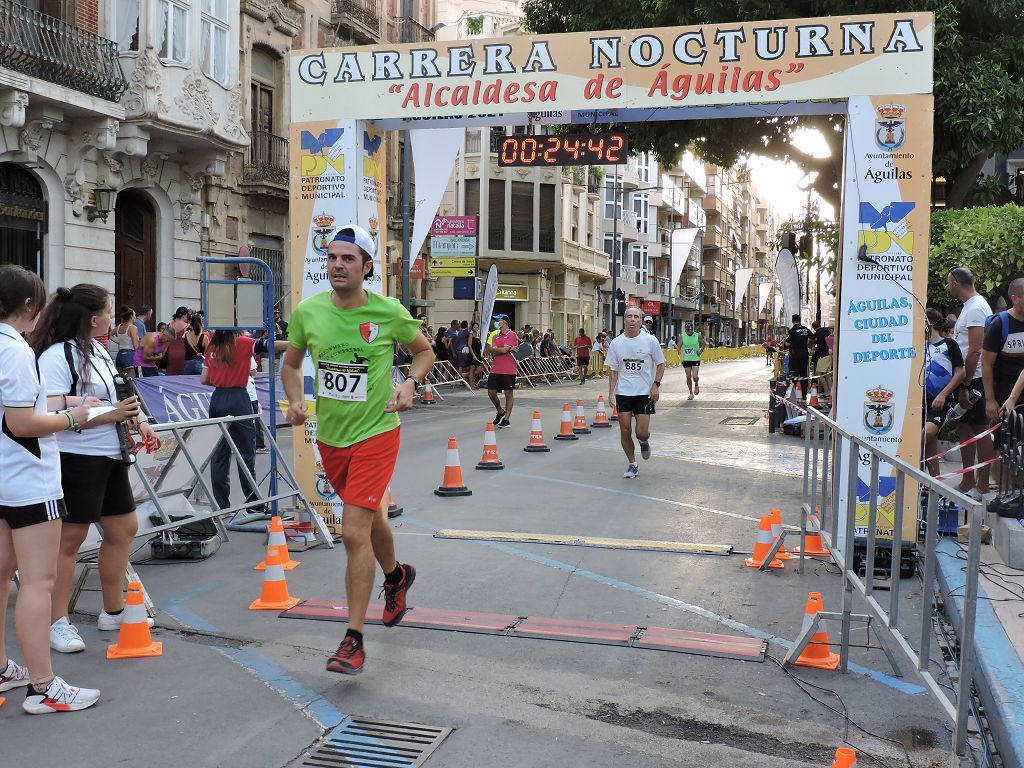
[(349, 658), (394, 596)]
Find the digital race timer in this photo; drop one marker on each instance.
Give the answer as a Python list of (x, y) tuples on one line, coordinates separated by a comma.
[(564, 149)]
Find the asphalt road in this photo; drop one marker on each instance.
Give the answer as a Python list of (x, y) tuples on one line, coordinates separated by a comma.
[(241, 688)]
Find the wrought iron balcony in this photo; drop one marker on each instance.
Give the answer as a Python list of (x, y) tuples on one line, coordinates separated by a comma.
[(366, 12), (49, 49), (411, 31), (268, 160)]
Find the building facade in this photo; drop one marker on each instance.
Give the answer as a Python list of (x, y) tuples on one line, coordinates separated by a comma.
[(137, 136), (740, 228), (112, 125), (540, 226), (652, 200)]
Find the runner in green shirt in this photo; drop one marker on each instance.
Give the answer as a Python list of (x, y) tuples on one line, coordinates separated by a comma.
[(691, 347), (350, 335)]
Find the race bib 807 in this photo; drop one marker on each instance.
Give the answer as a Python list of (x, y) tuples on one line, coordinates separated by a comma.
[(342, 381)]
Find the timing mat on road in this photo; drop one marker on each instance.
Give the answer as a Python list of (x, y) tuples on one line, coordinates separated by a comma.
[(566, 630), (587, 541)]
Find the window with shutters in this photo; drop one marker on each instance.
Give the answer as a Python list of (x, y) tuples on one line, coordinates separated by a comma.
[(546, 222), (522, 216), (496, 220)]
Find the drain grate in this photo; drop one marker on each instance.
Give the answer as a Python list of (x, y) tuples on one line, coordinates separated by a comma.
[(735, 421), (359, 743)]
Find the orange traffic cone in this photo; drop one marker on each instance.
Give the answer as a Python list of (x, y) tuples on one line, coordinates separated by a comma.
[(817, 653), (813, 401), (762, 544), (490, 458), (276, 540), (845, 758), (615, 412), (815, 546), (601, 418), (782, 554), (134, 640), (452, 484), (566, 432), (579, 426), (536, 444), (274, 596), (799, 393), (428, 394), (393, 509), (2, 702)]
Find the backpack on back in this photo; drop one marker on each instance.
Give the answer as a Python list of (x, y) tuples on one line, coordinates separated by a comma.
[(938, 369)]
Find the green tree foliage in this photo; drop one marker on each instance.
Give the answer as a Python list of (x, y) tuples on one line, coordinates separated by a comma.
[(979, 81), (989, 241)]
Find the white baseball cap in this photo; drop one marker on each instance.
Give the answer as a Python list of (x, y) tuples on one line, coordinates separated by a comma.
[(648, 319), (353, 233)]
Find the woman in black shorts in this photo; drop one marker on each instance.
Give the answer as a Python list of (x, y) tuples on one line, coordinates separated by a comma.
[(31, 506), (94, 474)]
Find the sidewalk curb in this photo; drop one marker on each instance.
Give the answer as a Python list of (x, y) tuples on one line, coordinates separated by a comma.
[(999, 670)]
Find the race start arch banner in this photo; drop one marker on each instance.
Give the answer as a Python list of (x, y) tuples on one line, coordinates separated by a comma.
[(876, 70)]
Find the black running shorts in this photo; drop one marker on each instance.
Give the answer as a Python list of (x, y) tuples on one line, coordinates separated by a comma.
[(33, 514), (640, 404), (95, 487), (501, 382)]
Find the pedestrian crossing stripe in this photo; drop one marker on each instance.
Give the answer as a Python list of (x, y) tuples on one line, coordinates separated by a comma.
[(587, 541)]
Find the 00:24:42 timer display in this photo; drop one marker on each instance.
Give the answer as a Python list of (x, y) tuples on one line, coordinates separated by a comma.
[(563, 149)]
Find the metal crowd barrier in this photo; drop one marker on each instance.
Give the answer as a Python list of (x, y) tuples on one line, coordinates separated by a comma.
[(830, 453), (177, 474), (548, 370), (443, 373)]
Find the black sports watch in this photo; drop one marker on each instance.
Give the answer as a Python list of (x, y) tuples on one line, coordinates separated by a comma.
[(657, 384)]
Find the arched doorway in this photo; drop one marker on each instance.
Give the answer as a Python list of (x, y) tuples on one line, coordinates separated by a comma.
[(134, 250), (22, 218)]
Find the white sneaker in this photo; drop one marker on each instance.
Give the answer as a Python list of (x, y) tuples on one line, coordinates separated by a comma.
[(13, 676), (111, 622), (645, 450), (64, 637), (59, 697), (631, 471)]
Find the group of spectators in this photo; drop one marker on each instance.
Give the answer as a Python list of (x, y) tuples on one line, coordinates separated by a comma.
[(63, 463), (175, 348), (809, 353), (974, 374), (66, 448)]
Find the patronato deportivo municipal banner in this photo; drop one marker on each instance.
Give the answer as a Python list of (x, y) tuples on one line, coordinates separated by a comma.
[(638, 69), (337, 178), (882, 289)]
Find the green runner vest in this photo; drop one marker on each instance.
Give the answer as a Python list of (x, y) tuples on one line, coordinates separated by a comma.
[(691, 347)]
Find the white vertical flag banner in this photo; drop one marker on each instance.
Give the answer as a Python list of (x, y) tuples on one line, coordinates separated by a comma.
[(433, 157), (742, 281), (681, 244), (764, 290), (490, 294), (789, 282)]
